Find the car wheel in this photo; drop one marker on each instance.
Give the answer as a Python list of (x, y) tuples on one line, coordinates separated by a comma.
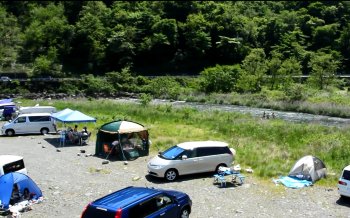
[(220, 165), (185, 213), (44, 131), (10, 132), (170, 175)]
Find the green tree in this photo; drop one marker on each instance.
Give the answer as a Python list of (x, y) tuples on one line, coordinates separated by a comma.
[(323, 69), (10, 36), (219, 78), (289, 69), (91, 34), (196, 33), (47, 28), (254, 67)]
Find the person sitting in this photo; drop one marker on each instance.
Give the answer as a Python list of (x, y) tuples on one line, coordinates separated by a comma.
[(15, 196), (85, 132), (26, 194)]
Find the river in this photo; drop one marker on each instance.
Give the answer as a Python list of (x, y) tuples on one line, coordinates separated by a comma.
[(256, 112)]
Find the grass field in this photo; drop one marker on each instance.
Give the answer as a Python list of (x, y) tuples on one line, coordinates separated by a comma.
[(269, 147)]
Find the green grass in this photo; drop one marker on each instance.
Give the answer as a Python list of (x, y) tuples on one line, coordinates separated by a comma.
[(270, 147)]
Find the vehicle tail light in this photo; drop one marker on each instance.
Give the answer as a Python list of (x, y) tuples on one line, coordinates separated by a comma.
[(84, 210), (118, 214), (342, 183)]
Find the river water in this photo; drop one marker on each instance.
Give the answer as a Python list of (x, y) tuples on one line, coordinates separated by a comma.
[(257, 112)]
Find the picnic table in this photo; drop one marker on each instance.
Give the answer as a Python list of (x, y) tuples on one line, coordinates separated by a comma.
[(226, 174)]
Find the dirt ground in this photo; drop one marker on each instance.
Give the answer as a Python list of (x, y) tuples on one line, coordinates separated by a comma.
[(70, 180)]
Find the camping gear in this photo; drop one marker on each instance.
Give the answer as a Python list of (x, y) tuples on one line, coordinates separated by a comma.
[(234, 176), (308, 168), (23, 181), (292, 182), (127, 140)]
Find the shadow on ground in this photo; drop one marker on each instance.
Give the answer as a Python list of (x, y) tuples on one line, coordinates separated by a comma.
[(158, 180), (343, 201)]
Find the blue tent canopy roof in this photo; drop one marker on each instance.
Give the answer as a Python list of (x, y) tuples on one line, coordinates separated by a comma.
[(70, 116)]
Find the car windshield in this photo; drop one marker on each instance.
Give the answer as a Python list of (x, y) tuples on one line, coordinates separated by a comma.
[(172, 153)]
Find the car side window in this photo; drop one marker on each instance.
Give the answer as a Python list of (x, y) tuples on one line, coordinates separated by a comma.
[(21, 120), (188, 153), (144, 209), (205, 151)]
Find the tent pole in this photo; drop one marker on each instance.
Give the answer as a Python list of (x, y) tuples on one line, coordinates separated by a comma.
[(121, 147)]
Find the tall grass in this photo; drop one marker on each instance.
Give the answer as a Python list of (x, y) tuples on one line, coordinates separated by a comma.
[(270, 147)]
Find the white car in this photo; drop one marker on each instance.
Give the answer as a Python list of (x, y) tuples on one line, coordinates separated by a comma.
[(191, 157), (11, 163), (344, 182)]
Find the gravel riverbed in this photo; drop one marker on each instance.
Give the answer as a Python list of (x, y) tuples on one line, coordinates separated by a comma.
[(70, 180)]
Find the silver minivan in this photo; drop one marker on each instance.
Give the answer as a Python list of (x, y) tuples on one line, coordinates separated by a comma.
[(191, 157), (33, 123)]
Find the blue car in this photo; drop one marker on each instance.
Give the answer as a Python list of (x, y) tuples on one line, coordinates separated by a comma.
[(137, 202)]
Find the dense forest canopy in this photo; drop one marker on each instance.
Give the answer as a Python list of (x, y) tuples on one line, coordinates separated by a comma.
[(69, 38)]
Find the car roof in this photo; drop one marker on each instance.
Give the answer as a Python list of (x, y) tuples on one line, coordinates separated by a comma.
[(34, 114), (196, 144), (125, 197), (5, 159), (347, 168)]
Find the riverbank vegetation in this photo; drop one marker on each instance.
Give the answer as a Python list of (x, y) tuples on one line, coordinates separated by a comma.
[(269, 147), (283, 55)]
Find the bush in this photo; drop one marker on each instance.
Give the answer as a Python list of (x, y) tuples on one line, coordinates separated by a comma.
[(219, 78)]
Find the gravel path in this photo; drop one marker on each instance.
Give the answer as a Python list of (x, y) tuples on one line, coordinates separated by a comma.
[(69, 182)]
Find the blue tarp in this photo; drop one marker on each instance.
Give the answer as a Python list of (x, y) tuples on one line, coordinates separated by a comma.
[(67, 116), (292, 182), (23, 181), (6, 100)]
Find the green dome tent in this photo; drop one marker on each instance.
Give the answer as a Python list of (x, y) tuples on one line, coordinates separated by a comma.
[(124, 139)]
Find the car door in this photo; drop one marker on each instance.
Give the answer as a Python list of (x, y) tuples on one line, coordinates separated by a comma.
[(208, 159), (20, 125), (187, 165), (166, 207)]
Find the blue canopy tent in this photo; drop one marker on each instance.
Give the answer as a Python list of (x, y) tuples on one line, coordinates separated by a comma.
[(61, 113), (71, 116), (23, 181)]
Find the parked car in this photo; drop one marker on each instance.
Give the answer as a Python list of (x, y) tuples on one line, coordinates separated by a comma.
[(12, 163), (136, 202), (344, 182), (6, 104), (30, 124), (190, 158), (5, 79)]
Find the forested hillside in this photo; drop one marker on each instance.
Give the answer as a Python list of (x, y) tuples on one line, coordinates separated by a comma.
[(273, 38)]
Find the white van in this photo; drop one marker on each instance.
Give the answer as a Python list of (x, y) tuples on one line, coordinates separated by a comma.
[(344, 182), (37, 109), (12, 163), (191, 157), (30, 124)]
